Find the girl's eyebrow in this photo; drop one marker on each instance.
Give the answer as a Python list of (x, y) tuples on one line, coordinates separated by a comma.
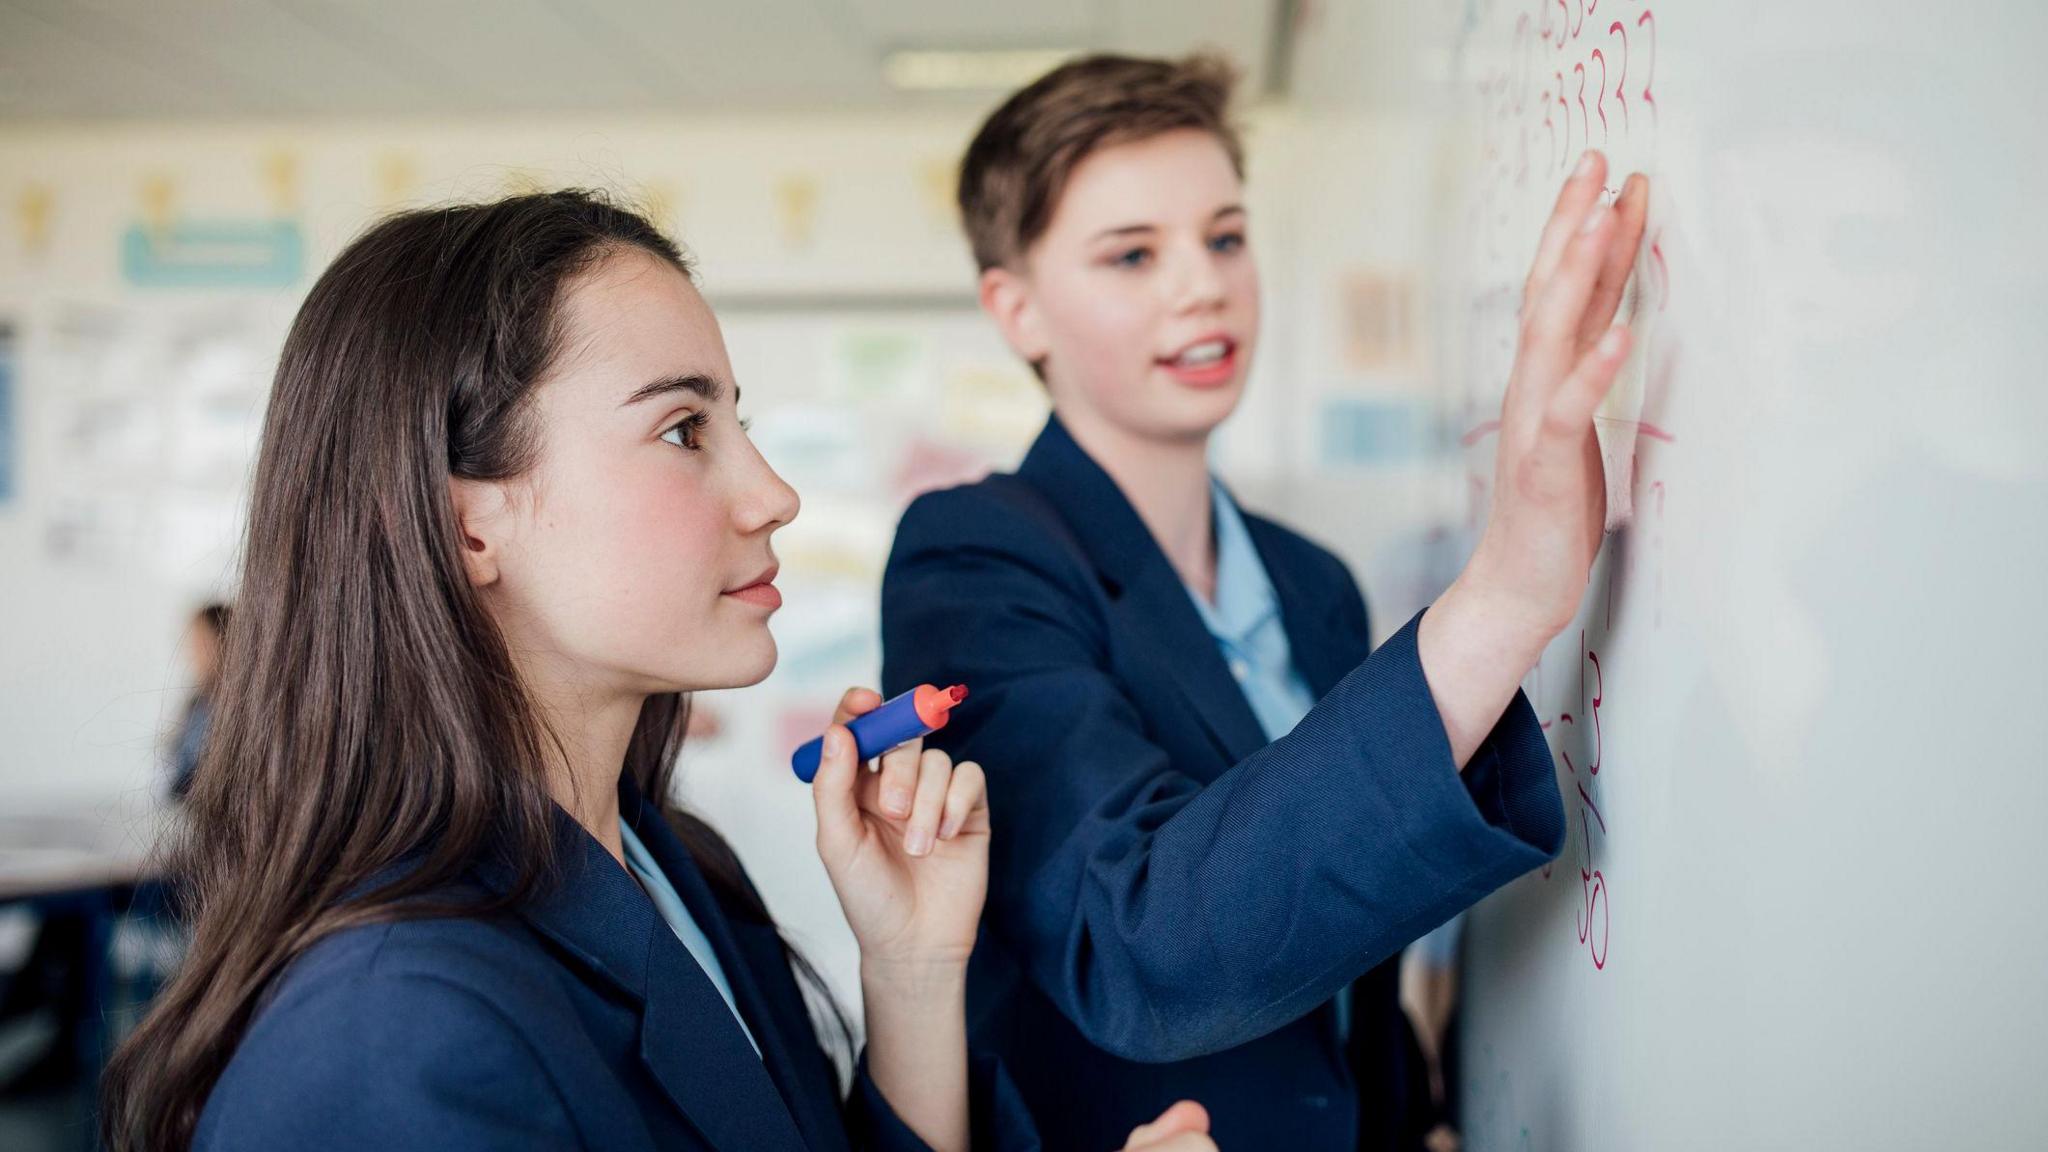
[(707, 388)]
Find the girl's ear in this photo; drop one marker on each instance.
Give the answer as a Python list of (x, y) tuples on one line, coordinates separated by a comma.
[(481, 518), (1006, 296)]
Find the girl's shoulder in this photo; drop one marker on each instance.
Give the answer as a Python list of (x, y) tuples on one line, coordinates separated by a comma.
[(387, 1029)]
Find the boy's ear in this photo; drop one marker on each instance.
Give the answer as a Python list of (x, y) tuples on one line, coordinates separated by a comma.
[(481, 522), (1006, 296)]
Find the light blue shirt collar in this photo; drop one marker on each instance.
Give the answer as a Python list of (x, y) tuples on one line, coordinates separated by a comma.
[(677, 915), (1245, 622), (1245, 599)]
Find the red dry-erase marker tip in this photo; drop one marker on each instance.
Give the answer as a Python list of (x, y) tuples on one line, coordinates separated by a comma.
[(935, 705)]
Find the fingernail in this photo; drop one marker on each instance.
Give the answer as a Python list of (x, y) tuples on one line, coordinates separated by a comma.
[(835, 743), (1610, 344), (1595, 218), (918, 842), (896, 801), (949, 829), (1585, 164)]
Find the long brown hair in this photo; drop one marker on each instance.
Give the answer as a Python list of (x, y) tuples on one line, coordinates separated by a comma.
[(368, 712)]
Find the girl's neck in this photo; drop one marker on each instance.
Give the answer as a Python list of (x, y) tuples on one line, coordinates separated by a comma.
[(586, 748), (1167, 483)]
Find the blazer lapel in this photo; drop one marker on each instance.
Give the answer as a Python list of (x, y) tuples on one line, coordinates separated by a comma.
[(1324, 650), (688, 1038), (1142, 586), (745, 952)]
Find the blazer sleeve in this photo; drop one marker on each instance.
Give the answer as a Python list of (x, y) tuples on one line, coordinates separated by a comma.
[(398, 1063), (1165, 918), (998, 1119)]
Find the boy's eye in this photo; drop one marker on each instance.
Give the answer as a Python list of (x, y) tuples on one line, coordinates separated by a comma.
[(1227, 243), (687, 431)]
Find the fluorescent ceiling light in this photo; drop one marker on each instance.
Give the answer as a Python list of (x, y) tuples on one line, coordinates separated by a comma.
[(926, 71)]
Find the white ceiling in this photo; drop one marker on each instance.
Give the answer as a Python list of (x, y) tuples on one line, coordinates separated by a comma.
[(185, 59)]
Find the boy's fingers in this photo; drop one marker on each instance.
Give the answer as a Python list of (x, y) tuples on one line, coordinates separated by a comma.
[(934, 773), (1550, 335), (1629, 211), (1573, 406), (1580, 192), (899, 778)]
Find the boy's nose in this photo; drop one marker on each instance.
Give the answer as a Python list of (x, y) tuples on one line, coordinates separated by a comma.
[(1199, 284)]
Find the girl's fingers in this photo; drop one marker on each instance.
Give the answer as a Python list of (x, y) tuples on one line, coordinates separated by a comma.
[(1580, 192), (856, 702), (966, 798), (832, 792), (1629, 212), (1184, 1142), (898, 767), (1184, 1118), (934, 773)]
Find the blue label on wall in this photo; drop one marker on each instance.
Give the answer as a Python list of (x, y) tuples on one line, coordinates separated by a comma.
[(214, 254), (1359, 431)]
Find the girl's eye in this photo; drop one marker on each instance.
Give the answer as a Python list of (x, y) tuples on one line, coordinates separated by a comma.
[(1227, 243), (1132, 258), (687, 432)]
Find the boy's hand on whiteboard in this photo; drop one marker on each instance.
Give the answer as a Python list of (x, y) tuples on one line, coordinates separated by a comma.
[(1550, 498), (1184, 1127), (1526, 578)]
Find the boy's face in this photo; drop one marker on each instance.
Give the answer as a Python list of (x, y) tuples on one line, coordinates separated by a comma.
[(1141, 299)]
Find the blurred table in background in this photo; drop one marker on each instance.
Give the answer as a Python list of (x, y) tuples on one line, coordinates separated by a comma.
[(77, 867)]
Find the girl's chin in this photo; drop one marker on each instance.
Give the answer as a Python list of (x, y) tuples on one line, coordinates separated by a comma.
[(738, 666)]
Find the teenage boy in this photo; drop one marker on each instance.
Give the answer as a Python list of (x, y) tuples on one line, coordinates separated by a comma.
[(1216, 817)]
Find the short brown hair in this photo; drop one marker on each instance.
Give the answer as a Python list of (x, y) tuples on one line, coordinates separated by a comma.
[(1019, 163)]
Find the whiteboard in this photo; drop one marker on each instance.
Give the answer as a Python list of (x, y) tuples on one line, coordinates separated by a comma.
[(1800, 722)]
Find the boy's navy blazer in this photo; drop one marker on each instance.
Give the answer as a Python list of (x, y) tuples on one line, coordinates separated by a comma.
[(1174, 901), (578, 1021)]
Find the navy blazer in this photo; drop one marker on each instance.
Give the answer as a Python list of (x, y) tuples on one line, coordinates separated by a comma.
[(1173, 901), (580, 1021)]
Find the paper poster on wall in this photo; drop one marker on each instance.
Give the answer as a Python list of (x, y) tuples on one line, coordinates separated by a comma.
[(155, 430), (1378, 319), (885, 364), (9, 441)]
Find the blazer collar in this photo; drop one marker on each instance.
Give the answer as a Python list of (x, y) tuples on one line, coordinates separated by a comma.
[(1324, 650), (596, 912), (752, 955), (1092, 506), (1141, 584)]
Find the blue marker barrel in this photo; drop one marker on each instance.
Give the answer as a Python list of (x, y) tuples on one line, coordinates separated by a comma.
[(922, 710)]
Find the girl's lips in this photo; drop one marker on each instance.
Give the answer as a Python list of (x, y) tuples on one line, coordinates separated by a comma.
[(763, 594)]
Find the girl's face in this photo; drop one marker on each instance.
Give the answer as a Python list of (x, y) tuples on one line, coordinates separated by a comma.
[(634, 557), (1142, 296)]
